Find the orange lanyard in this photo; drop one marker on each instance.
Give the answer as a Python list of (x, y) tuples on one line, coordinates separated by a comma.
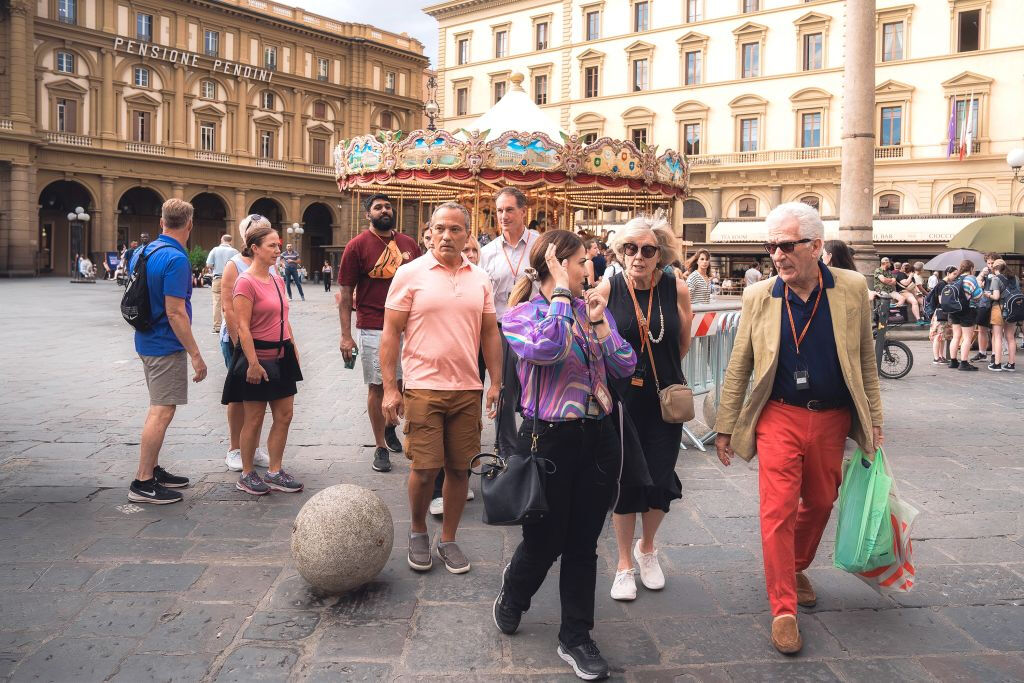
[(792, 325), (643, 322), (526, 248)]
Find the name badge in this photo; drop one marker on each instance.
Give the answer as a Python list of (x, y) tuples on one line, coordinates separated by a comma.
[(604, 398), (802, 379), (637, 380), (592, 408)]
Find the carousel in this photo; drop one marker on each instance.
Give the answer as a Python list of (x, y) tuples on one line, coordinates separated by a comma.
[(515, 144)]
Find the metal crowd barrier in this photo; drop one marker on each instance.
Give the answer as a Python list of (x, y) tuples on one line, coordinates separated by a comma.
[(711, 339)]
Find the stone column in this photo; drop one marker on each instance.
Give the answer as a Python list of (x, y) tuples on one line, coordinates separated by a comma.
[(21, 68), (23, 220), (108, 219), (296, 117), (241, 210), (716, 206), (241, 119), (776, 196), (109, 18), (108, 103), (178, 190), (179, 116), (858, 153)]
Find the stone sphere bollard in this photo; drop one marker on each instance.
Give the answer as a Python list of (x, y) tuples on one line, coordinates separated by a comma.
[(710, 409), (342, 538)]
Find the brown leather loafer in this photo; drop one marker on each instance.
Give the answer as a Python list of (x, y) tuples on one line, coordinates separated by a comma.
[(805, 596), (786, 635)]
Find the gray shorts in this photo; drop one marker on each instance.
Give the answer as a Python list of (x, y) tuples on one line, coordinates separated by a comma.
[(167, 378), (369, 354)]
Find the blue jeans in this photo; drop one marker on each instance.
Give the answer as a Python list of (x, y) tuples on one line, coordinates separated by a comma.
[(228, 350), (292, 273)]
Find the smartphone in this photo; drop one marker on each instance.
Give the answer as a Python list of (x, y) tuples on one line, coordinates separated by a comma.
[(586, 283), (350, 364)]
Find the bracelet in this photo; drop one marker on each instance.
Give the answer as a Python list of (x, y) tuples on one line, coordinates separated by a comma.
[(561, 291), (595, 323)]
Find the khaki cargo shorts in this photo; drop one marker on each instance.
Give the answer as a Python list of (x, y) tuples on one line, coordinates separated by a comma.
[(167, 378), (442, 428)]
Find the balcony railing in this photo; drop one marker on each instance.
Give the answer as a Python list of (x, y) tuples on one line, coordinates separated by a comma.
[(271, 163), (213, 156), (766, 157), (69, 139), (6, 124), (145, 148), (317, 169), (890, 152)]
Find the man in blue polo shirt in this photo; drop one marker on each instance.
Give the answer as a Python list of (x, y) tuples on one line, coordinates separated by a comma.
[(163, 349)]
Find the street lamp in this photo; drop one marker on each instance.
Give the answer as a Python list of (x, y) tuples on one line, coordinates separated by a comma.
[(77, 219), (430, 107), (1015, 159)]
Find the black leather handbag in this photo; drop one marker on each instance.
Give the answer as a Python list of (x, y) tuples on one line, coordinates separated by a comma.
[(512, 485)]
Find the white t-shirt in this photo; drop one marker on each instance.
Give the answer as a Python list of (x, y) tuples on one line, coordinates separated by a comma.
[(752, 275)]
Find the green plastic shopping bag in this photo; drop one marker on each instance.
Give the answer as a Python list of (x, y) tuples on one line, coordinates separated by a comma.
[(864, 534)]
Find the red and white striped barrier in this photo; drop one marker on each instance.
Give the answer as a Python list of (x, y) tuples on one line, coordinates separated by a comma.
[(710, 323)]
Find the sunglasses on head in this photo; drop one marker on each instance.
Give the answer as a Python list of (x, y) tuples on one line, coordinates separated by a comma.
[(786, 247), (647, 251), (255, 218)]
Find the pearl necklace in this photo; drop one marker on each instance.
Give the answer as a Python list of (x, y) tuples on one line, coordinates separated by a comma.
[(661, 320)]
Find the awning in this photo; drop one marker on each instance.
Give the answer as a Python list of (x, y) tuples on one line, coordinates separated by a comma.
[(883, 230)]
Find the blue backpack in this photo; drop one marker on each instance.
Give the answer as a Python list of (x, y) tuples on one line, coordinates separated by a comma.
[(953, 298)]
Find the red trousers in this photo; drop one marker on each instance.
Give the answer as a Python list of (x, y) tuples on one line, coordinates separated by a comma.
[(800, 469)]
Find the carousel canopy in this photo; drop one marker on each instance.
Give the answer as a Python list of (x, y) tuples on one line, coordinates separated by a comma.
[(516, 111)]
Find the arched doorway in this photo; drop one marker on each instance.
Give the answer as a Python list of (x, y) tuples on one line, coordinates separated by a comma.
[(209, 221), (272, 211), (138, 215), (316, 224), (694, 230), (59, 239)]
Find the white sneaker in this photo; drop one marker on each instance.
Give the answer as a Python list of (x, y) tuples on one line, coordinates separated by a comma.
[(233, 461), (470, 495), (437, 506), (261, 458), (650, 571), (624, 585)]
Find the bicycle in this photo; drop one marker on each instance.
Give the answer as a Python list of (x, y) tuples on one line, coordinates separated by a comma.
[(893, 358)]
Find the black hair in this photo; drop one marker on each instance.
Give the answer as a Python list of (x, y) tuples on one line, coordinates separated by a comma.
[(374, 197)]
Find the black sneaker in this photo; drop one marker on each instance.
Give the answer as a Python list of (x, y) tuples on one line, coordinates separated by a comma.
[(938, 361), (381, 460), (394, 444), (979, 356), (585, 660), (954, 364), (505, 618), (964, 365), (151, 492), (995, 367), (166, 479), (1010, 367)]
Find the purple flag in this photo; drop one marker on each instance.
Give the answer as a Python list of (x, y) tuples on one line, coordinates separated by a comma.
[(951, 132)]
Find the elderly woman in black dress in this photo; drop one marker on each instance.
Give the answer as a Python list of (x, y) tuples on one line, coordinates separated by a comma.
[(653, 310)]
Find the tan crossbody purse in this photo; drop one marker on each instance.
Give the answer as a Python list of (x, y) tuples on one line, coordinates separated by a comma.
[(676, 399)]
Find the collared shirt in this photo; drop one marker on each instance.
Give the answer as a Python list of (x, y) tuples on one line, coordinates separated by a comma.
[(546, 338), (752, 276), (505, 263), (881, 286), (290, 258), (219, 257), (442, 334), (818, 355), (168, 273)]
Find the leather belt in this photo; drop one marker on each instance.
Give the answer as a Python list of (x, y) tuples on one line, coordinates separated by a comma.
[(815, 406)]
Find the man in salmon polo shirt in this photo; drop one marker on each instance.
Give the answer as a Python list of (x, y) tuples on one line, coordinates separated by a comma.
[(445, 307)]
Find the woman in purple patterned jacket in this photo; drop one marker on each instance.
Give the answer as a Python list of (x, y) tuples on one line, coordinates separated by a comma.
[(567, 346)]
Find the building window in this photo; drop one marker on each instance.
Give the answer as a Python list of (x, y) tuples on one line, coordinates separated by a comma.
[(810, 124), (389, 82), (540, 89), (67, 115), (542, 35), (318, 151), (961, 109), (270, 58), (691, 139), (500, 43), (461, 101), (638, 136), (964, 202), (267, 144), (693, 12), (141, 128), (751, 5), (693, 67), (593, 19), (751, 60), (747, 207), (589, 138), (463, 50), (968, 31), (641, 75), (319, 109), (67, 11), (889, 205), (211, 43), (323, 69), (591, 78), (892, 126), (641, 16), (499, 90), (208, 90), (892, 41), (140, 77), (208, 136), (813, 55), (812, 201), (144, 27), (387, 121), (266, 100), (65, 62), (748, 135)]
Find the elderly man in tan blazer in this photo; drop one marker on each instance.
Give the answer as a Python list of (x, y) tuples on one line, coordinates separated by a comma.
[(805, 341)]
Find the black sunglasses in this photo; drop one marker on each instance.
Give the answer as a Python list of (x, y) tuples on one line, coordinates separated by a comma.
[(786, 247), (647, 251), (254, 218)]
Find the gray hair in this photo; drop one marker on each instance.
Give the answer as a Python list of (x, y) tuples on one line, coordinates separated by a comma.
[(451, 205), (668, 243), (521, 200), (226, 238), (807, 218), (176, 213)]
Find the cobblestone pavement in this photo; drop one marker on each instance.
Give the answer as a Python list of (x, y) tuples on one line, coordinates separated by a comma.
[(95, 589)]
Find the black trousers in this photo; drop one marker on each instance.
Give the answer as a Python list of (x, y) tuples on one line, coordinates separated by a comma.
[(586, 454), (292, 273)]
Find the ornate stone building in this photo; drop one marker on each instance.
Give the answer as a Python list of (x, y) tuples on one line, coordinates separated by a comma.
[(235, 105)]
